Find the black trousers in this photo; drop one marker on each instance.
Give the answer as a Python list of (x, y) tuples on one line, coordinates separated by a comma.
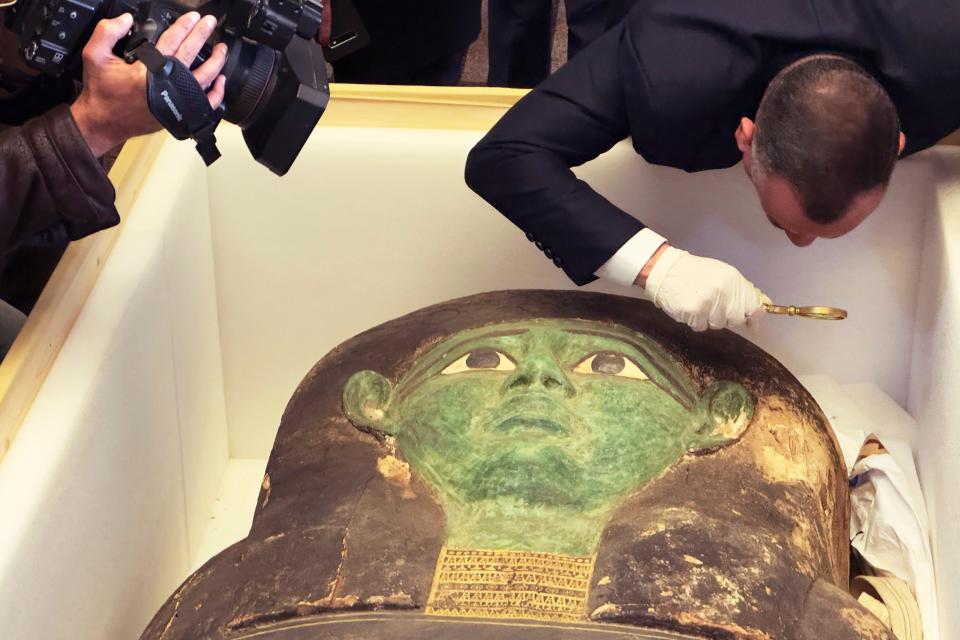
[(521, 36)]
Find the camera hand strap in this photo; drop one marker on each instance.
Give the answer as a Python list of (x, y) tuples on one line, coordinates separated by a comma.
[(177, 100)]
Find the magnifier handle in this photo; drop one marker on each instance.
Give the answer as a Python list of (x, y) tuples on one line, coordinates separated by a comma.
[(817, 313)]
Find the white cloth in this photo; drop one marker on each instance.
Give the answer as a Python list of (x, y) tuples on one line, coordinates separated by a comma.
[(887, 528)]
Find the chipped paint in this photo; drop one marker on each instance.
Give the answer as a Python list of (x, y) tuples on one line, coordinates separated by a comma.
[(397, 473), (394, 600), (265, 488), (733, 427), (605, 611)]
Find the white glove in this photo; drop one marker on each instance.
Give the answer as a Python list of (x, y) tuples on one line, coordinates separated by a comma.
[(703, 292)]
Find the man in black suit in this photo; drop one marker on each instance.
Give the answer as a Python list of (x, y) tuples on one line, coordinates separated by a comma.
[(811, 96)]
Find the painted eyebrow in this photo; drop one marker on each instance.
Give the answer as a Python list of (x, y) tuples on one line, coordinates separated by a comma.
[(420, 371), (676, 390)]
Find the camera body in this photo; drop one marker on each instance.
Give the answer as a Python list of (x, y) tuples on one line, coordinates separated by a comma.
[(276, 80)]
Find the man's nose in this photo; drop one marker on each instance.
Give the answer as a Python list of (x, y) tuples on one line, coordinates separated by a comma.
[(540, 372), (800, 239)]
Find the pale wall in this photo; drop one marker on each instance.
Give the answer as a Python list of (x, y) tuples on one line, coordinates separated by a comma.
[(935, 382), (106, 491)]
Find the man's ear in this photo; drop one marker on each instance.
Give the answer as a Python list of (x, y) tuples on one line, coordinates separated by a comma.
[(903, 143), (727, 409), (744, 135), (366, 397)]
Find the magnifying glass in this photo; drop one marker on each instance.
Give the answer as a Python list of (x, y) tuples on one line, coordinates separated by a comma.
[(817, 313)]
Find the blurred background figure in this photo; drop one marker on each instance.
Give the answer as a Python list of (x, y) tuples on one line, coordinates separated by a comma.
[(504, 43), (418, 43), (521, 35)]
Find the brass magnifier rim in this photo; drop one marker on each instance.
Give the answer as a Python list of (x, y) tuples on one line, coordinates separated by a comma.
[(817, 313)]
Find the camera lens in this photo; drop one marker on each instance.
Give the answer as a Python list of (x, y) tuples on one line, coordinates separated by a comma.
[(276, 95), (250, 71)]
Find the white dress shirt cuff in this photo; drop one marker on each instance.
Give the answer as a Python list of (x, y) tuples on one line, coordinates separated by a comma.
[(625, 265)]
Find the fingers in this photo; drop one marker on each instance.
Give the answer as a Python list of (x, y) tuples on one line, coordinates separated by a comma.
[(323, 36), (207, 75), (734, 306), (173, 37), (207, 72), (718, 319), (198, 36), (215, 95), (703, 292), (99, 47), (698, 323), (756, 313), (186, 37)]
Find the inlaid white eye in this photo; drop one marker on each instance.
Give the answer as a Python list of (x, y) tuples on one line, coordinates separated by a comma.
[(484, 359), (610, 363)]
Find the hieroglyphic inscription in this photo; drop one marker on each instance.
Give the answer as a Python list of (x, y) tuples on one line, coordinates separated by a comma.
[(510, 584)]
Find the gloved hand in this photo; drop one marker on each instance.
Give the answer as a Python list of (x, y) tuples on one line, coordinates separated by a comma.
[(703, 292)]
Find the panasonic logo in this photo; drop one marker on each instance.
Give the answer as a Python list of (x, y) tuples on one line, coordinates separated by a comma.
[(173, 108)]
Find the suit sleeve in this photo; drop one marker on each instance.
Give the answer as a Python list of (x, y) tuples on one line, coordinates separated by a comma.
[(49, 176), (523, 165)]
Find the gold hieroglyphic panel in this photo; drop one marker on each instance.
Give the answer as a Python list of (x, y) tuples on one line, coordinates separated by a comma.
[(482, 583)]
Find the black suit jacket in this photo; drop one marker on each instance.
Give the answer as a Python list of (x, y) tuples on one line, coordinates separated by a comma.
[(676, 76)]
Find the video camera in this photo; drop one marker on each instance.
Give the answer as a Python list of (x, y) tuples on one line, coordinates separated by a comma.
[(276, 79)]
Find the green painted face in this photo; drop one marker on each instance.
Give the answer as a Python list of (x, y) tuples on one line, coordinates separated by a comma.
[(545, 416)]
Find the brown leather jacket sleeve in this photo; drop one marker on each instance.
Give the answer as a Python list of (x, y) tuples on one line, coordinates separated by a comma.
[(48, 175)]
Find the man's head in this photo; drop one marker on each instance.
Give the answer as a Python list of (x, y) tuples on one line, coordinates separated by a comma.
[(822, 149), (546, 414)]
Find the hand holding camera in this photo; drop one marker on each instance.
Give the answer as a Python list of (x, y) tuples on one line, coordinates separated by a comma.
[(113, 106), (274, 84)]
